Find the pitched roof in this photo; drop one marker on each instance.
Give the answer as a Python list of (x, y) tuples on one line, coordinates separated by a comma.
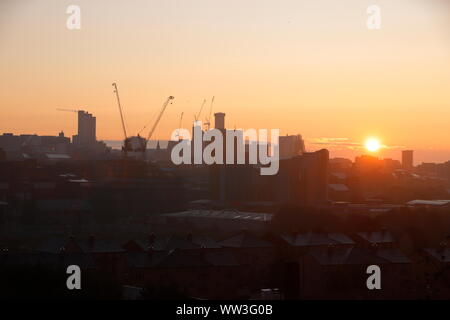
[(181, 259), (221, 258), (55, 244), (393, 255), (317, 239), (245, 240), (377, 236), (100, 246), (46, 260), (145, 260), (178, 242), (205, 242), (353, 255), (51, 205), (441, 254)]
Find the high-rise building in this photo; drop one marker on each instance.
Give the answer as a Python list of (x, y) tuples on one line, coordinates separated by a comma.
[(303, 179), (219, 120), (408, 159), (86, 129), (291, 146)]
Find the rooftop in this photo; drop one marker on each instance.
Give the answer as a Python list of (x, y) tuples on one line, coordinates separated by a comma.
[(377, 236), (181, 259), (443, 254), (354, 256), (428, 203), (245, 240), (338, 187), (221, 214), (317, 239)]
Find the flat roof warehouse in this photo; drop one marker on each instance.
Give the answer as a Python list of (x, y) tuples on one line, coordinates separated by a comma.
[(221, 214)]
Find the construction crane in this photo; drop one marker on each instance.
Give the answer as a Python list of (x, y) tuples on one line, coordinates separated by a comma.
[(68, 110), (116, 91), (179, 125), (196, 117), (208, 120), (129, 143), (137, 143), (181, 120), (164, 106)]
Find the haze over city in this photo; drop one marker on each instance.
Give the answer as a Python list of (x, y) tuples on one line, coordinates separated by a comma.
[(303, 67), (235, 157)]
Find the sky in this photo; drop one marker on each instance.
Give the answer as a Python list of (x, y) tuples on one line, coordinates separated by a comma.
[(304, 67)]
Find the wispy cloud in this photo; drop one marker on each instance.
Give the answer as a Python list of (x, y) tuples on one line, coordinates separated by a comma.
[(342, 143), (336, 142)]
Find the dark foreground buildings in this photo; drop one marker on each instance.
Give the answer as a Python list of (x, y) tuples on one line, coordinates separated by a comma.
[(147, 229)]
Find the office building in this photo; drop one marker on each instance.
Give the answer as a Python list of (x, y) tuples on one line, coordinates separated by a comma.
[(219, 120), (291, 146), (86, 129), (408, 159)]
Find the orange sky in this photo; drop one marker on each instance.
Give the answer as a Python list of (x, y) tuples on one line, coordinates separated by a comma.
[(308, 67)]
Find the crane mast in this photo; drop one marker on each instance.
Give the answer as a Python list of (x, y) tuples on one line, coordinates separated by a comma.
[(137, 143), (196, 117), (116, 91), (179, 126), (68, 110), (208, 120), (181, 120), (159, 116)]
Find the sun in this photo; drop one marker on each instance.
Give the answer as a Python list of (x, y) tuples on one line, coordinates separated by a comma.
[(372, 144)]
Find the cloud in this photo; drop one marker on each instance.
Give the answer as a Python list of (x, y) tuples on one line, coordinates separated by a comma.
[(336, 142), (344, 143)]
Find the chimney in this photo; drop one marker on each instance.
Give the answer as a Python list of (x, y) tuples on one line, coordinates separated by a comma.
[(219, 120)]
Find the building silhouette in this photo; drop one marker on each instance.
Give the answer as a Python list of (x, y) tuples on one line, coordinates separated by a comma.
[(219, 120), (408, 159), (303, 180), (291, 146), (86, 129)]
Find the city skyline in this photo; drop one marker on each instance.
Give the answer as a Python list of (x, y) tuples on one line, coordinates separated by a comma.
[(305, 68), (211, 157)]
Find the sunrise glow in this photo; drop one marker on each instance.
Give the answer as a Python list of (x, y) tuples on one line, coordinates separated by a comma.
[(372, 144)]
